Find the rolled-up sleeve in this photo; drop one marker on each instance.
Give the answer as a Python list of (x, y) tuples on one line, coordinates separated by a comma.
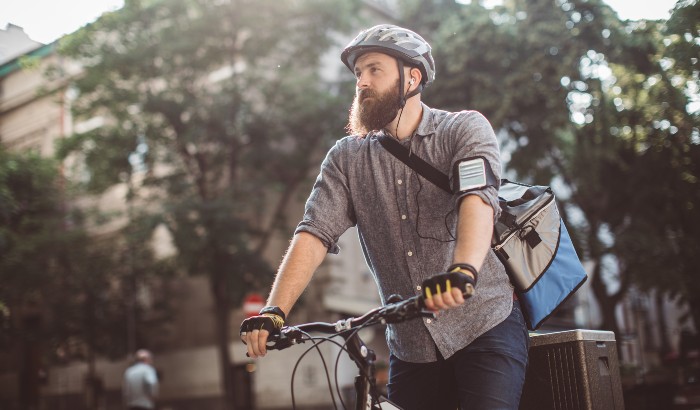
[(475, 138), (329, 211)]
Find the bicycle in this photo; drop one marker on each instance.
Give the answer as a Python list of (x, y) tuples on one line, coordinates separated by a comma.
[(367, 396)]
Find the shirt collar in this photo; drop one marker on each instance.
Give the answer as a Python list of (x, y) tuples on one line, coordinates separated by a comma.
[(427, 125)]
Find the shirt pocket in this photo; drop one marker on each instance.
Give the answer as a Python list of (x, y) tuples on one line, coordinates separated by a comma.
[(441, 228)]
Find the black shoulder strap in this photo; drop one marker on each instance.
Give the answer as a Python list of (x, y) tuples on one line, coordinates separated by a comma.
[(423, 168)]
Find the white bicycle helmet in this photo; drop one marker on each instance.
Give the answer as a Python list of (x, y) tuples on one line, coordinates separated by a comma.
[(398, 42)]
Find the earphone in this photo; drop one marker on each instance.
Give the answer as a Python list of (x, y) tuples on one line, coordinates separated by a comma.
[(413, 80)]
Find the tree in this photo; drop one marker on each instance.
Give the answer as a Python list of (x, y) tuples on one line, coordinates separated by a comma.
[(551, 77), (519, 64), (56, 293), (30, 219), (228, 100), (666, 148), (639, 135)]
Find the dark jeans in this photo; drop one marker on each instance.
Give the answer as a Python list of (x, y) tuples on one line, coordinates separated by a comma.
[(487, 374)]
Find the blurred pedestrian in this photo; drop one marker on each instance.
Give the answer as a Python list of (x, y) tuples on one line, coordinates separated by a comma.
[(140, 385)]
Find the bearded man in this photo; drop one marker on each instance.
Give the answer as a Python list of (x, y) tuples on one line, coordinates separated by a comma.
[(415, 236)]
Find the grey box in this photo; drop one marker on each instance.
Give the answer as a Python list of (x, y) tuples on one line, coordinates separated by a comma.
[(571, 370)]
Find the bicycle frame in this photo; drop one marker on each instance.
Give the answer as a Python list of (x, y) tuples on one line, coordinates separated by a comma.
[(364, 358)]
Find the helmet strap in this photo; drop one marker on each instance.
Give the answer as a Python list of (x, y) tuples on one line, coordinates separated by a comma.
[(402, 97)]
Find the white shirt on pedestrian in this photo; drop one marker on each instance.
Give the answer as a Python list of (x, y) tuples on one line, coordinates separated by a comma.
[(140, 386)]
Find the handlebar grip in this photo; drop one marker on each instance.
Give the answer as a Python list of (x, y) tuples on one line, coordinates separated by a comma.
[(271, 342), (443, 282)]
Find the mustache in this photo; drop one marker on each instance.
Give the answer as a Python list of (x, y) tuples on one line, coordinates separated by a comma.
[(365, 93)]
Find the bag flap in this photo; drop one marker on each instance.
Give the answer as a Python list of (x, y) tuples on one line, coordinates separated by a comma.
[(518, 203)]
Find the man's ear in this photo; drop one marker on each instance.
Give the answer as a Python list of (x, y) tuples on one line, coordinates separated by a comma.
[(415, 73)]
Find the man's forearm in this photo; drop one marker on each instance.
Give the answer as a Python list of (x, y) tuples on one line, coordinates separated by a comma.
[(305, 254), (474, 231)]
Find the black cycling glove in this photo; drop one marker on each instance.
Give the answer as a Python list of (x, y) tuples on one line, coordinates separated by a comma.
[(457, 276), (271, 318)]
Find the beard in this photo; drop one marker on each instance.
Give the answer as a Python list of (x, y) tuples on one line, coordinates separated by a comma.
[(373, 114)]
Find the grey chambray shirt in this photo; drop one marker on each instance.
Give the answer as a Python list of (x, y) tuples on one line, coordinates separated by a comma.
[(407, 225)]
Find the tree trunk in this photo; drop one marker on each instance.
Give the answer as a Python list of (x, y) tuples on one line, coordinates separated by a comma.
[(694, 304), (606, 302), (665, 343), (91, 382), (29, 386), (222, 309)]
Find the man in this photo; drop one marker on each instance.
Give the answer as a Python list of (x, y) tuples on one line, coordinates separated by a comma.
[(140, 386), (474, 356)]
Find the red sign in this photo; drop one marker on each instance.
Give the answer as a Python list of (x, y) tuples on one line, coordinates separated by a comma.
[(252, 304)]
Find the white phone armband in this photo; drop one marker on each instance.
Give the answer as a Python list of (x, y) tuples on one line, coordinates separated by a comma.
[(473, 173)]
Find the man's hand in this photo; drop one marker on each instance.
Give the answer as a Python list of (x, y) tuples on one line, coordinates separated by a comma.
[(449, 289), (255, 330)]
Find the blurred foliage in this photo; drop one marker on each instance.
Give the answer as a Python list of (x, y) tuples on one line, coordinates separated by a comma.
[(59, 285), (680, 37), (509, 63), (634, 166), (223, 103), (225, 97), (596, 106)]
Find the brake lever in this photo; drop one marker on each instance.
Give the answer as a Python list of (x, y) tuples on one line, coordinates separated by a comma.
[(406, 310), (287, 337)]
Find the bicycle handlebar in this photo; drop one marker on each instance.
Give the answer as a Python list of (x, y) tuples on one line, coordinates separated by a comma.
[(396, 312)]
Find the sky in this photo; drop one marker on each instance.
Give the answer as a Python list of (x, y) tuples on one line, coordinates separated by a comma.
[(47, 20)]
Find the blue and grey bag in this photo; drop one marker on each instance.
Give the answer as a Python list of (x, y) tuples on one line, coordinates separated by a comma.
[(532, 242)]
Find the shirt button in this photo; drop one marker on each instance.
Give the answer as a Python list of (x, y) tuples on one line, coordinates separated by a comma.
[(403, 216), (428, 321), (410, 253), (399, 181), (418, 287)]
